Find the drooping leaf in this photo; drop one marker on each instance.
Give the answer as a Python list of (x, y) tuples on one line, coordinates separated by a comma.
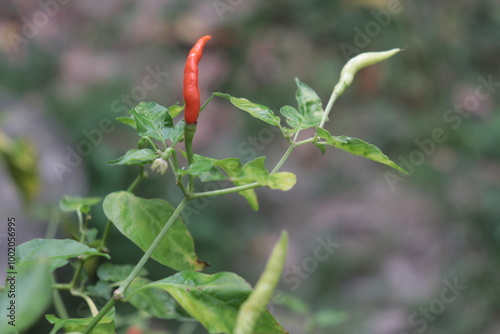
[(113, 273), (232, 167), (56, 252), (256, 110), (152, 120), (105, 326), (141, 220), (357, 147), (30, 295), (75, 203), (135, 157), (214, 300), (154, 301)]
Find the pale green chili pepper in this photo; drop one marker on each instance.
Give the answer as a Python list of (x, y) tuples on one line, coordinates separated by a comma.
[(348, 72), (256, 303), (357, 63)]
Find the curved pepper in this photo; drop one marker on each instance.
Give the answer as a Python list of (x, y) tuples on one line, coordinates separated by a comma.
[(191, 90)]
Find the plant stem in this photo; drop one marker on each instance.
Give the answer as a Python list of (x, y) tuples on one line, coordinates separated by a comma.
[(225, 191), (88, 300), (253, 184), (105, 236), (76, 275), (189, 131), (58, 302), (119, 293), (137, 180), (284, 157), (329, 106), (109, 305)]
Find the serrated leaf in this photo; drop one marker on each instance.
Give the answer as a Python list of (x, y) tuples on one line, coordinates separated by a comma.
[(135, 157), (232, 167), (256, 110), (310, 106), (75, 203), (105, 326), (141, 220), (113, 273), (56, 252), (357, 147), (154, 301), (152, 120), (127, 121), (214, 300), (33, 292)]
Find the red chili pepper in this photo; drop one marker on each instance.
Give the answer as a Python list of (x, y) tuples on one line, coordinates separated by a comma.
[(191, 91)]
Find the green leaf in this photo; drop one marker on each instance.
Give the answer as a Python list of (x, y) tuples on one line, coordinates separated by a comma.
[(203, 168), (56, 252), (214, 300), (255, 171), (100, 290), (74, 203), (105, 326), (256, 110), (152, 120), (357, 147), (177, 134), (154, 301), (175, 110), (135, 157), (32, 295), (141, 220), (113, 273), (310, 107), (232, 167), (127, 121)]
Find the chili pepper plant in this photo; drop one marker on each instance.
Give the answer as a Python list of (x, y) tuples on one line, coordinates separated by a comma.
[(223, 302)]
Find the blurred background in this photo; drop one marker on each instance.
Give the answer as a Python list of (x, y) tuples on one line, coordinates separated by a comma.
[(404, 254)]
